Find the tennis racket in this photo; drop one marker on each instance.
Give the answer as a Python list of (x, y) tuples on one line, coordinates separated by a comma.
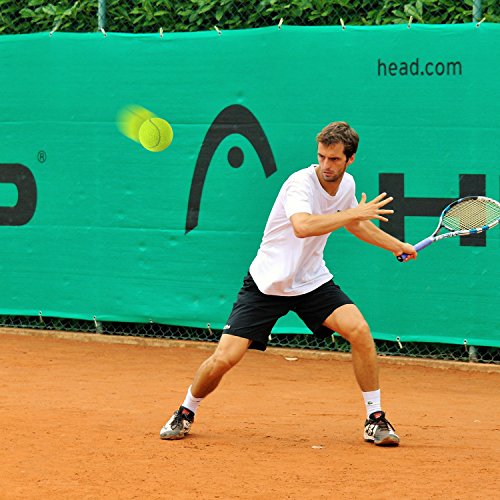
[(463, 217)]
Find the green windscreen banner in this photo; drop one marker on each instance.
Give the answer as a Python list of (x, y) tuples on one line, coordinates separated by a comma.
[(92, 224)]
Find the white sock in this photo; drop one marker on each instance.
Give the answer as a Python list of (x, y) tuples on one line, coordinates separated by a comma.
[(372, 401), (191, 403)]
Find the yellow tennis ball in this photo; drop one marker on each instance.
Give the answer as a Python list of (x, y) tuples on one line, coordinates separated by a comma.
[(130, 118), (156, 134)]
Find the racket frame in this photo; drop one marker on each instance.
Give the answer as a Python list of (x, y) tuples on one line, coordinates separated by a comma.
[(462, 232)]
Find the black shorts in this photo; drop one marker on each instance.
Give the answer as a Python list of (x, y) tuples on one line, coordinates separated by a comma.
[(254, 313)]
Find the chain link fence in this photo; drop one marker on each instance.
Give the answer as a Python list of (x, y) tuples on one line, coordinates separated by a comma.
[(149, 16), (465, 353)]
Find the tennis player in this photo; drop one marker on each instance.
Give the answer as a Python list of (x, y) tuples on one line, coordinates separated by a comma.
[(289, 274)]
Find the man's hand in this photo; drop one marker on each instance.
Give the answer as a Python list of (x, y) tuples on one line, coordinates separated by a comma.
[(407, 249), (373, 209)]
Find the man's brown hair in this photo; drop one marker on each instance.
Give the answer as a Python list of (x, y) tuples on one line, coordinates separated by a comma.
[(340, 133)]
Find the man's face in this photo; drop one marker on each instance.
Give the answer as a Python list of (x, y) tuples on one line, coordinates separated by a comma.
[(332, 162)]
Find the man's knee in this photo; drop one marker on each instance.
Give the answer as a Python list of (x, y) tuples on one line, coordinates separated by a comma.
[(359, 335), (219, 363), (228, 353)]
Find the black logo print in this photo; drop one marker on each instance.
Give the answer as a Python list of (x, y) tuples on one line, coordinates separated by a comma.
[(22, 212), (234, 119), (406, 206)]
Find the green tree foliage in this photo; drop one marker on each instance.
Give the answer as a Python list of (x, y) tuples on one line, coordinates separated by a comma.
[(146, 16)]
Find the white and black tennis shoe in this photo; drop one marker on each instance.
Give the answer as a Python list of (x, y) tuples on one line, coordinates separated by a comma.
[(379, 430), (178, 425)]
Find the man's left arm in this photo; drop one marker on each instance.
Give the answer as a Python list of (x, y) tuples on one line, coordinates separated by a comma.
[(367, 231)]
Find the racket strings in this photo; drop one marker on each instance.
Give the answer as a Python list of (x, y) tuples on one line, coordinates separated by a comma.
[(472, 214)]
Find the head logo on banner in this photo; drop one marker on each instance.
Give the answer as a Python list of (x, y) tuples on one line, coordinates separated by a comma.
[(235, 119)]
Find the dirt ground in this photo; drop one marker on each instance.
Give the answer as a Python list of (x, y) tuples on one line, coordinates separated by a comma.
[(80, 419)]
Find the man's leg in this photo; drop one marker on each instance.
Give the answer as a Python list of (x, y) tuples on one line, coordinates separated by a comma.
[(229, 352), (348, 321)]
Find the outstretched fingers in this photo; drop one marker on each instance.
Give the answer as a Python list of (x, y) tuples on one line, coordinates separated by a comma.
[(381, 200), (379, 197), (374, 209), (381, 217)]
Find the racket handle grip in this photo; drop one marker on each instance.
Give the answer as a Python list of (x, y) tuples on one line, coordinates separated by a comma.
[(419, 246)]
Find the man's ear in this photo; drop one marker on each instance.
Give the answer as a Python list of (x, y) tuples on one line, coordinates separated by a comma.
[(351, 159)]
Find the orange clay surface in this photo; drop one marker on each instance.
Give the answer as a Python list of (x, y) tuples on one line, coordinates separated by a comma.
[(80, 417)]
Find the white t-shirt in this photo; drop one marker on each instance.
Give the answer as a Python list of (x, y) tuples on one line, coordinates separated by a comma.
[(287, 265)]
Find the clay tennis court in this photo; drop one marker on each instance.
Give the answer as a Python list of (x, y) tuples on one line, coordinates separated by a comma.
[(80, 417)]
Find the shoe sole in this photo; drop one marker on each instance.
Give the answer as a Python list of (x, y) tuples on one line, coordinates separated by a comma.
[(388, 441), (172, 437)]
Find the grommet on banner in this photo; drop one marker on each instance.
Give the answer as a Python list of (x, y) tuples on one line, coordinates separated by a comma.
[(103, 32), (161, 32), (342, 23), (465, 345), (40, 317), (218, 30), (398, 340), (280, 23), (410, 21), (98, 326), (210, 330), (479, 23), (55, 28)]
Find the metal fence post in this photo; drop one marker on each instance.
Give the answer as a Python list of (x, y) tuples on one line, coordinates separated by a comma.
[(477, 10), (101, 14)]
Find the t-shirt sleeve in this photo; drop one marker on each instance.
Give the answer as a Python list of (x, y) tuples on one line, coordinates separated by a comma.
[(353, 201), (297, 199)]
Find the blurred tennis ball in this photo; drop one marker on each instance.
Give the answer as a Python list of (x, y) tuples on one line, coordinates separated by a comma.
[(130, 118), (156, 134)]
